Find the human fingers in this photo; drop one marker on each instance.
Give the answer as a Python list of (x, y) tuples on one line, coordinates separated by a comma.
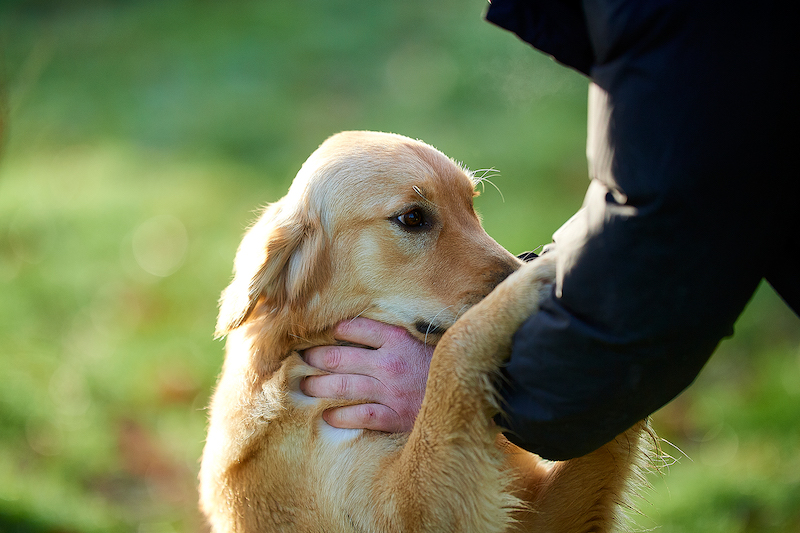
[(342, 359), (399, 363), (367, 332), (343, 386), (393, 375), (367, 416)]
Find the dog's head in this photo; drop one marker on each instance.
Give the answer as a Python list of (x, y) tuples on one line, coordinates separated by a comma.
[(376, 225)]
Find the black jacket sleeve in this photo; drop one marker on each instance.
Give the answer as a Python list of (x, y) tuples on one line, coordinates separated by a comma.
[(689, 158), (557, 28)]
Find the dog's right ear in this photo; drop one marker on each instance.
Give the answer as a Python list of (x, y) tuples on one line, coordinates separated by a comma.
[(262, 266)]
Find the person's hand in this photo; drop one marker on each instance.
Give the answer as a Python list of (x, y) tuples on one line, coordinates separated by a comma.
[(390, 378)]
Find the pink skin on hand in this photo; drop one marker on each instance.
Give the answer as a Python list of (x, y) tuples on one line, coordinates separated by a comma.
[(391, 378)]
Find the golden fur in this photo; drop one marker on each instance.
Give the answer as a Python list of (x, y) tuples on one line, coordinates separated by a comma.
[(332, 249)]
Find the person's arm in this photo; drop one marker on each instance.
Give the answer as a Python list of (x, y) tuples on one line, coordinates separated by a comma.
[(390, 377)]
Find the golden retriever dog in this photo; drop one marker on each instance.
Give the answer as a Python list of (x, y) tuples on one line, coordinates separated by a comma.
[(382, 226)]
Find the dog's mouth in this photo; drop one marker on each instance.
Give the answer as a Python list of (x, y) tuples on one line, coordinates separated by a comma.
[(427, 328)]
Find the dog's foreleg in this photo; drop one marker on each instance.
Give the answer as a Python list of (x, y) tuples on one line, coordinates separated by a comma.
[(588, 493), (451, 475)]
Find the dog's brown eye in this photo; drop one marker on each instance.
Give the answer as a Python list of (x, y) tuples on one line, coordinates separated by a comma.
[(412, 219)]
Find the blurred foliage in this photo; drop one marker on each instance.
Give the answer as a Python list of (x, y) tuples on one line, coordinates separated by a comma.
[(139, 138)]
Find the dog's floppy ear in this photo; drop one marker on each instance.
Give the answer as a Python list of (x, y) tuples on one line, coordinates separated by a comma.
[(276, 259)]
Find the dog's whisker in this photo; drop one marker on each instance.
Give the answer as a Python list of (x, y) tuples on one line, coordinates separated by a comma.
[(299, 337), (441, 311), (428, 330), (359, 314), (419, 193), (490, 182), (486, 173), (463, 308), (431, 322), (484, 178)]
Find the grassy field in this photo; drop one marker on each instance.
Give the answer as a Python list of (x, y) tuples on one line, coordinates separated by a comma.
[(140, 137)]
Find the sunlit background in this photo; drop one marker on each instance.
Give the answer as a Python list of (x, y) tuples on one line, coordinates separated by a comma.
[(139, 138)]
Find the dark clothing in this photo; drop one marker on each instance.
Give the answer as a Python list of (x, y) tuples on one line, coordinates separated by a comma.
[(693, 200)]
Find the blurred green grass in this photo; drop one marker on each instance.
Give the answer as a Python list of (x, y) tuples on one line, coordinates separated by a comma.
[(140, 138)]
